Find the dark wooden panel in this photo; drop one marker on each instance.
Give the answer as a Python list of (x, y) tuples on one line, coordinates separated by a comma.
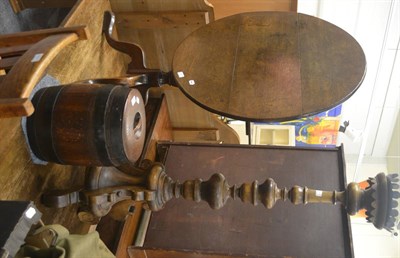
[(241, 229), (137, 252)]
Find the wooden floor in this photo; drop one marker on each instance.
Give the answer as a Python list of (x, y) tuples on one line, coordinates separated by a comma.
[(20, 179)]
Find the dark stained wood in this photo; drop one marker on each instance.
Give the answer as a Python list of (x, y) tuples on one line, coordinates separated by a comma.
[(134, 51), (244, 230), (88, 125), (269, 66)]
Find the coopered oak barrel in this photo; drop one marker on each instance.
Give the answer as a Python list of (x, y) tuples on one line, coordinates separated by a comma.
[(90, 125)]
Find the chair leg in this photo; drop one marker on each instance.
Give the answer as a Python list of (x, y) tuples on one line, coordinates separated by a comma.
[(8, 63), (16, 6), (155, 76), (134, 51)]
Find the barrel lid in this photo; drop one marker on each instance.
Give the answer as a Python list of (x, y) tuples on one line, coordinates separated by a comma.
[(133, 125)]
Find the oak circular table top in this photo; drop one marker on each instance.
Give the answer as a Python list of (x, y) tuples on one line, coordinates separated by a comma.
[(269, 66)]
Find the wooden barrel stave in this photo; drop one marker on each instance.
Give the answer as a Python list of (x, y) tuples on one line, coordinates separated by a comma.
[(90, 125), (38, 125)]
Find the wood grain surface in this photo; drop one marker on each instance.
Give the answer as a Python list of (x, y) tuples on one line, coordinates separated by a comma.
[(269, 66), (224, 8)]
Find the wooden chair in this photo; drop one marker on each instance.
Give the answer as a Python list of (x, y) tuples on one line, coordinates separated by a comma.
[(24, 57)]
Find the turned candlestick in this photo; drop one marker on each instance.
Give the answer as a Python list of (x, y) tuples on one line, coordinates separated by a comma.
[(154, 187), (379, 198)]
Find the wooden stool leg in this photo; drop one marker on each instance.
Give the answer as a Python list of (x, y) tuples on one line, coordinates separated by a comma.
[(15, 107), (2, 73), (134, 51), (156, 77)]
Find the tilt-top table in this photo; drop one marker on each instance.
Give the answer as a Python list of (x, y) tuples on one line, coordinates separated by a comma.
[(269, 66)]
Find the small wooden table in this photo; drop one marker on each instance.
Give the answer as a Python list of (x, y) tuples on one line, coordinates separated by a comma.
[(269, 66)]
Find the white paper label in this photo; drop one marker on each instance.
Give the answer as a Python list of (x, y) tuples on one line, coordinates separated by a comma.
[(30, 212), (318, 193), (181, 74), (192, 82), (37, 57)]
